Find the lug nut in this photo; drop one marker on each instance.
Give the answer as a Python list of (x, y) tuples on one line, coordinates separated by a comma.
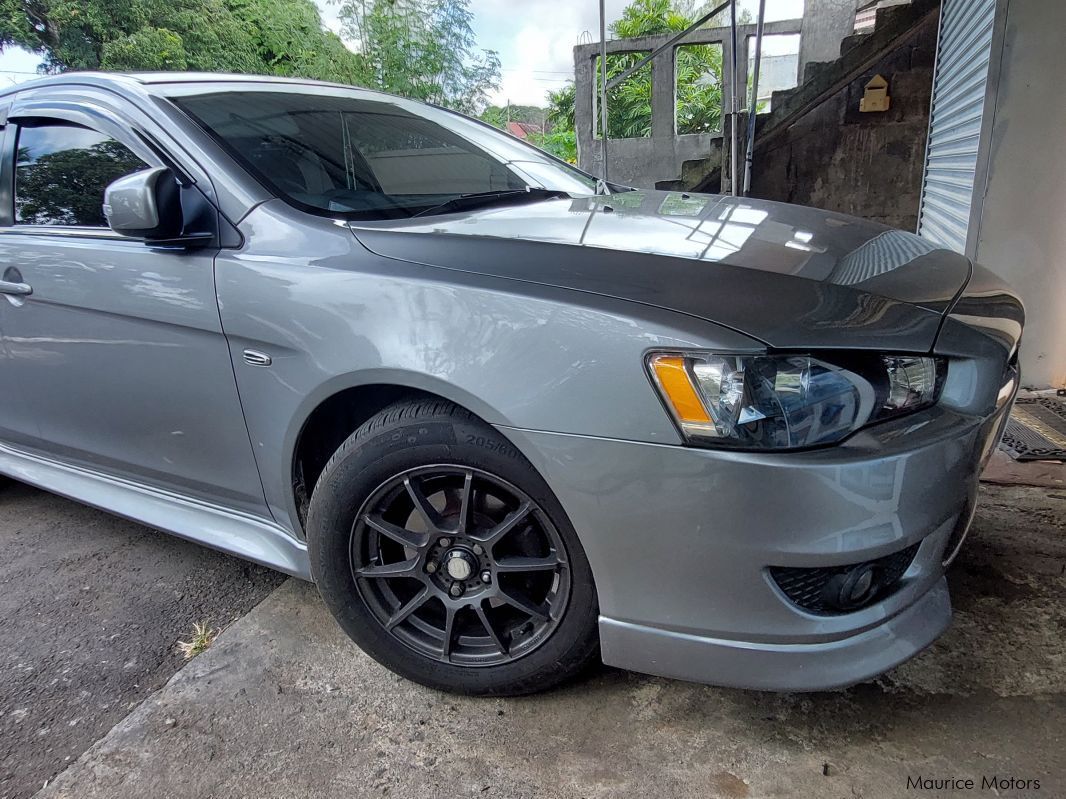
[(445, 542), (431, 567), (477, 549), (486, 576), (456, 589)]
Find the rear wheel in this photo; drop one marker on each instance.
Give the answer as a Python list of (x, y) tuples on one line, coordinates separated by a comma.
[(444, 555)]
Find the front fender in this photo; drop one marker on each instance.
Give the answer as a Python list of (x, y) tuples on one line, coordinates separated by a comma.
[(332, 315)]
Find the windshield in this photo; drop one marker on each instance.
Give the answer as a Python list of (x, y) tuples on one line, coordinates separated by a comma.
[(379, 158)]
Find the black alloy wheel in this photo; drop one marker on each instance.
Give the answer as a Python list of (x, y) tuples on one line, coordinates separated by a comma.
[(446, 557), (460, 565)]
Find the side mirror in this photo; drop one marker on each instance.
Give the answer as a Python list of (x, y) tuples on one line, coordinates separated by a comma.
[(145, 205)]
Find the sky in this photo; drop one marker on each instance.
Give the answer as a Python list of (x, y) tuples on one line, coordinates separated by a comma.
[(534, 38)]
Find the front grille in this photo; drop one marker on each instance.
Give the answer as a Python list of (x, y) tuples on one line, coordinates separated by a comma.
[(806, 587)]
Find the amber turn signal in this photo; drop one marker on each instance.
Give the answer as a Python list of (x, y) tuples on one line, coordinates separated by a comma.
[(673, 378)]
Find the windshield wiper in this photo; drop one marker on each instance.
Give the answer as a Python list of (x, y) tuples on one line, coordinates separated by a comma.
[(488, 198)]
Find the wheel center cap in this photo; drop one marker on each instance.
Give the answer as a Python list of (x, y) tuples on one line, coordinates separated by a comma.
[(459, 564)]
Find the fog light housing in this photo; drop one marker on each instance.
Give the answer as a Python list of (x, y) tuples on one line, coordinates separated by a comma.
[(851, 589), (833, 590)]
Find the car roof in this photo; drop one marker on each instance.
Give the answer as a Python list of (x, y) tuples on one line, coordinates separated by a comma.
[(146, 80)]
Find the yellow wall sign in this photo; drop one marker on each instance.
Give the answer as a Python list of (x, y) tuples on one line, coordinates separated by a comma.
[(875, 98)]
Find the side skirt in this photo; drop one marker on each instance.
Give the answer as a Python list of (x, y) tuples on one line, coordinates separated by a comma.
[(240, 534)]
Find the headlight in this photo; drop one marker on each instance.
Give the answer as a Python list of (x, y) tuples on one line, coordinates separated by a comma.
[(788, 401)]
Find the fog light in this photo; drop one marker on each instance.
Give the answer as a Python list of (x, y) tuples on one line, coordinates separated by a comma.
[(844, 588), (861, 585), (852, 588)]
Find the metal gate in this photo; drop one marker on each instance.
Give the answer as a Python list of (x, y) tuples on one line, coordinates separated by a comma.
[(964, 50)]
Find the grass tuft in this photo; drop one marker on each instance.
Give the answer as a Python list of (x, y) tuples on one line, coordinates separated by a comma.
[(202, 638)]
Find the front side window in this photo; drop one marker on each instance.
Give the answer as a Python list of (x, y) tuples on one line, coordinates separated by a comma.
[(61, 173), (363, 158)]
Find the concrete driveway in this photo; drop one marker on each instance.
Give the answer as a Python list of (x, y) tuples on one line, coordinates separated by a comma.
[(284, 706), (91, 609)]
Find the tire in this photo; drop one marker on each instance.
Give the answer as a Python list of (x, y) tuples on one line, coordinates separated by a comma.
[(388, 563)]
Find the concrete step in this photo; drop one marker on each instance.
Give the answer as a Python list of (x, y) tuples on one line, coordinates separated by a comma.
[(820, 79), (853, 41), (814, 69)]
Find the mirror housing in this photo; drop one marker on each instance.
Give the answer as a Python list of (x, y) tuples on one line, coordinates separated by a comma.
[(145, 205)]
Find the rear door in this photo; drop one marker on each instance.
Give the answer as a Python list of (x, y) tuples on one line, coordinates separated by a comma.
[(116, 358)]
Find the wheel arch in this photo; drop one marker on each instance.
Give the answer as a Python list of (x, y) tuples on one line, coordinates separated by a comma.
[(340, 407)]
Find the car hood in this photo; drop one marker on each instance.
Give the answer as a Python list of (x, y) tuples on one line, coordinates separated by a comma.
[(787, 275)]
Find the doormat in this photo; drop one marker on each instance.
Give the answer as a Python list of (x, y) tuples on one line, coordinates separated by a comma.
[(1036, 430)]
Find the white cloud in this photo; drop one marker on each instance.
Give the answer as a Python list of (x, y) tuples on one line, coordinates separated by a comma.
[(535, 40), (17, 66), (329, 11)]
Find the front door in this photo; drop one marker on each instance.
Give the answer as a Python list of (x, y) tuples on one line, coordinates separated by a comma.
[(115, 360)]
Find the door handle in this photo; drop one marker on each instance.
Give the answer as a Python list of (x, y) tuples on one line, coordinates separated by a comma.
[(18, 289)]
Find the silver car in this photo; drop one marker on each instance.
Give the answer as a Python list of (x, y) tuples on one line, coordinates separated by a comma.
[(508, 419)]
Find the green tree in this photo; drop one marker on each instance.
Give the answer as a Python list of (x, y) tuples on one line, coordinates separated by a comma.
[(560, 139), (423, 49), (560, 143), (280, 37), (699, 71), (561, 103), (699, 74)]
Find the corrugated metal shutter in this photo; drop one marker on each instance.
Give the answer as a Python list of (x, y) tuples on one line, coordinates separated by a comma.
[(963, 53)]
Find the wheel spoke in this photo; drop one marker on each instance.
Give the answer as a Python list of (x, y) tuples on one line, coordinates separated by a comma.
[(522, 564), (422, 505), (401, 535), (408, 532), (495, 636), (413, 604), (449, 630), (523, 605), (466, 499), (512, 521), (402, 568)]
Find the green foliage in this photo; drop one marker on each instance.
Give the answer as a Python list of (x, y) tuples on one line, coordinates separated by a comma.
[(649, 17), (65, 187), (628, 103), (423, 49), (280, 37), (699, 88), (147, 48), (699, 74), (561, 104), (559, 142), (495, 116)]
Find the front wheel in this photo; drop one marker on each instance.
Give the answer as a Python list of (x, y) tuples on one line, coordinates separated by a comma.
[(445, 556)]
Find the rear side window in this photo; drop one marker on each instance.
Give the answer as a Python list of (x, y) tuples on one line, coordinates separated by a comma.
[(61, 172)]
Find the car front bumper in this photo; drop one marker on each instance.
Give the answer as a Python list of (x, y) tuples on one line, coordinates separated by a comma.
[(681, 540)]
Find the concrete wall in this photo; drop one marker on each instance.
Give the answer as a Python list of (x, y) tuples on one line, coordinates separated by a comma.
[(866, 164), (643, 162), (1022, 222), (825, 24)]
